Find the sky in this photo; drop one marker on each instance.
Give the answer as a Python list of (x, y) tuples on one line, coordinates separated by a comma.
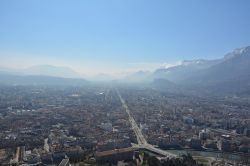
[(114, 36)]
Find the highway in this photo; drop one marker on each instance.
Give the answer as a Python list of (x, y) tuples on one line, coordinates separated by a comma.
[(142, 142)]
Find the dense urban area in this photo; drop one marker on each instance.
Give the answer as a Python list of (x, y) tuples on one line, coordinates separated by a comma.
[(123, 125)]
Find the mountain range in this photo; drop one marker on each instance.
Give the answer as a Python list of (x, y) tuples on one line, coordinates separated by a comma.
[(43, 70), (41, 75), (228, 74)]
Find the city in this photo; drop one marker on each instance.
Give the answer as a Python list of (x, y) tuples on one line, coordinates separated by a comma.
[(124, 83), (42, 124)]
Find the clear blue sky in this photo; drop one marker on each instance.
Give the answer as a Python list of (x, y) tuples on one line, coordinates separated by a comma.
[(113, 36)]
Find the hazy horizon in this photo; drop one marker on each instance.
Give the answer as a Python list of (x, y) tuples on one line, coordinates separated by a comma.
[(112, 37), (124, 82)]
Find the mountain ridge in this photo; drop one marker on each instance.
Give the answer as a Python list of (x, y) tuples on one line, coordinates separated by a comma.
[(228, 74), (11, 79), (44, 70)]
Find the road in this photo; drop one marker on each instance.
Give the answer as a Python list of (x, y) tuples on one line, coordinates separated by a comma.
[(142, 142), (140, 138), (15, 160)]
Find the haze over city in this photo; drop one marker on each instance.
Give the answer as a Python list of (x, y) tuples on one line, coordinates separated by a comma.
[(124, 83)]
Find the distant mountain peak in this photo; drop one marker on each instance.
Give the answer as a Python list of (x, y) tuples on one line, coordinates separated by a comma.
[(192, 62), (238, 52), (50, 70), (45, 66)]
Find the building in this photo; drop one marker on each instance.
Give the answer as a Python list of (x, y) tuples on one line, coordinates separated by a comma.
[(224, 145)]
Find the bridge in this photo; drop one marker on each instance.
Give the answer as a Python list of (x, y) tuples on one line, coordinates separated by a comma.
[(147, 147)]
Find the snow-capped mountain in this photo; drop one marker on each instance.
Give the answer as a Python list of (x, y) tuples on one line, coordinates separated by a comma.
[(230, 73)]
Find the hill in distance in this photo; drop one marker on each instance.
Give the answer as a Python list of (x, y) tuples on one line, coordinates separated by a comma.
[(41, 75)]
